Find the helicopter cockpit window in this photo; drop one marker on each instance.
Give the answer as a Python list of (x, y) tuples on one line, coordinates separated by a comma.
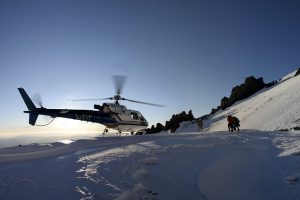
[(122, 107), (134, 116), (141, 117)]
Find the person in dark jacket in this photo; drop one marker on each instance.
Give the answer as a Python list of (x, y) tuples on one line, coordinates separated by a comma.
[(233, 123), (230, 122), (236, 124)]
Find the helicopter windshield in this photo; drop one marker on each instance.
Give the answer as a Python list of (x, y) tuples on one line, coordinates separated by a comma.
[(141, 117)]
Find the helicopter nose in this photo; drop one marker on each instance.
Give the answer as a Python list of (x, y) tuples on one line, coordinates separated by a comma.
[(146, 123)]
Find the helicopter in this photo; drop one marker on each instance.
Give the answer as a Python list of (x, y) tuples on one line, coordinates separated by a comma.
[(111, 115)]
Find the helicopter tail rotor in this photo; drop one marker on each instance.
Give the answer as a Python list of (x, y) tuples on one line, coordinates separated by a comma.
[(37, 99)]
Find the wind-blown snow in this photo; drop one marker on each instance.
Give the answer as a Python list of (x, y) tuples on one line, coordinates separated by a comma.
[(290, 145)]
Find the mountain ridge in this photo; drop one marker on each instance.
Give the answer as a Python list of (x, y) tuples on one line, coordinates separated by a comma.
[(259, 106), (272, 108)]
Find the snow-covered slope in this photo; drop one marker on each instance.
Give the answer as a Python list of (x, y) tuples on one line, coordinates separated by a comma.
[(272, 108)]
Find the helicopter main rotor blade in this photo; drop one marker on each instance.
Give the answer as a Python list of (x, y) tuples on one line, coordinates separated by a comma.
[(119, 83), (151, 104), (96, 99)]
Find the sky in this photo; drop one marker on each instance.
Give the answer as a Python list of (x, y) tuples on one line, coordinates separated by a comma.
[(185, 54)]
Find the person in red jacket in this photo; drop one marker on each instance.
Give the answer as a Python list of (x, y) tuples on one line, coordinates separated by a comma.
[(230, 121)]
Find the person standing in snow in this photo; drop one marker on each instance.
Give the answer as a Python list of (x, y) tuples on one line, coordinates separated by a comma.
[(200, 124), (230, 123), (236, 123), (233, 123)]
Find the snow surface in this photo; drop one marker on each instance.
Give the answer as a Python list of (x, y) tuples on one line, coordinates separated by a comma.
[(187, 127), (249, 165), (257, 163)]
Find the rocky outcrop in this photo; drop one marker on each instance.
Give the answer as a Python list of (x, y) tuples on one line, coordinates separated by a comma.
[(159, 127), (271, 84), (225, 103), (251, 86), (298, 72), (245, 90), (172, 124)]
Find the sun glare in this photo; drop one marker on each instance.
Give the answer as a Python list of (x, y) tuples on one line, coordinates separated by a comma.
[(69, 125)]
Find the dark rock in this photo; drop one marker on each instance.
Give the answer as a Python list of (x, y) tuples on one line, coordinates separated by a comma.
[(213, 111), (245, 90), (190, 116), (225, 103), (175, 120), (159, 127), (296, 128), (284, 129), (271, 84), (167, 126), (155, 129), (298, 72)]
